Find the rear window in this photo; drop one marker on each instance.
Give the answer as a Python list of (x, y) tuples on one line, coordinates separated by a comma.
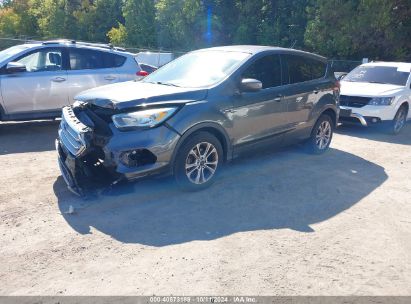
[(378, 74), (84, 59), (302, 69)]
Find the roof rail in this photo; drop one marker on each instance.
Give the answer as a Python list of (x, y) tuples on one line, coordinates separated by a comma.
[(57, 41), (100, 45)]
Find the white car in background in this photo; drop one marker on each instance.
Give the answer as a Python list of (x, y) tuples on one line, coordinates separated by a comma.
[(377, 92)]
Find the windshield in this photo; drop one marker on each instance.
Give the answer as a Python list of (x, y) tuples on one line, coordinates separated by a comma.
[(5, 54), (378, 74), (198, 69)]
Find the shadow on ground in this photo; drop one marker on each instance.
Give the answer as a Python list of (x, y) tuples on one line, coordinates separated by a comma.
[(377, 133), (287, 189), (31, 136)]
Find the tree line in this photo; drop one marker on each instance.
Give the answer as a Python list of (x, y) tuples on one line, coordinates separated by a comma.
[(345, 29)]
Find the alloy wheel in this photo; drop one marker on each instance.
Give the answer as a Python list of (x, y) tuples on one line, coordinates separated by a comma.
[(400, 120), (201, 163), (323, 135)]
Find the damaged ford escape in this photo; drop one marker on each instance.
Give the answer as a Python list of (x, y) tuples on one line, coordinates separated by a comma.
[(197, 112)]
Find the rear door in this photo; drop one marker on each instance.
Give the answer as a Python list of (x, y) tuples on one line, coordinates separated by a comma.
[(260, 115), (90, 68), (304, 77), (42, 88)]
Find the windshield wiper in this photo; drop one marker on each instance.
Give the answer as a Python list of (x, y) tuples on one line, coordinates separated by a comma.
[(378, 82), (166, 83)]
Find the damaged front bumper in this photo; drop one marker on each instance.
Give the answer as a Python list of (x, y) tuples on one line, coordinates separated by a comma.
[(89, 160)]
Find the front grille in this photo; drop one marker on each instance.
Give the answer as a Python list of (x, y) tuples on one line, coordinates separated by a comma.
[(70, 132), (354, 101)]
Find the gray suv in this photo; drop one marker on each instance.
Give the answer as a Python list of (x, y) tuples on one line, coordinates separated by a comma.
[(197, 112), (38, 79)]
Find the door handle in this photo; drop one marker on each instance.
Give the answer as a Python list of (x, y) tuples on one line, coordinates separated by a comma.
[(278, 98), (58, 79), (109, 78)]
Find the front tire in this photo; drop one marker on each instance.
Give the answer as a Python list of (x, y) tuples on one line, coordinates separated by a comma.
[(321, 135), (198, 161), (399, 121)]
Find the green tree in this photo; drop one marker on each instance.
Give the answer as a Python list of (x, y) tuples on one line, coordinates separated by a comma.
[(377, 29), (139, 18), (181, 24), (55, 17), (118, 35), (9, 22), (96, 18)]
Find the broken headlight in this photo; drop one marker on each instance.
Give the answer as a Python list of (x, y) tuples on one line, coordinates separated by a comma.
[(142, 119)]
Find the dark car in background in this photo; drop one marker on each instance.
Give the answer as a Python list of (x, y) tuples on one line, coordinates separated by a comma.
[(189, 117)]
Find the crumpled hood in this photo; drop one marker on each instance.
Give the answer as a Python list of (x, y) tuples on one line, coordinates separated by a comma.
[(131, 94), (369, 89)]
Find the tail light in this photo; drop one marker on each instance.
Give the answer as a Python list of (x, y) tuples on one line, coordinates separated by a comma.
[(142, 73)]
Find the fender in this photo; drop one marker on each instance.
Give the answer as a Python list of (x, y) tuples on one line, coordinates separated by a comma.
[(401, 103), (206, 126), (327, 102)]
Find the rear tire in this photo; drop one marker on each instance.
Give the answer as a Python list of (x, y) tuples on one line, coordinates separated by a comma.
[(321, 135), (198, 161), (399, 120)]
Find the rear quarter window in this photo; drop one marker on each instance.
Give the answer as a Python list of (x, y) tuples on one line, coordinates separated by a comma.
[(85, 59), (301, 68), (114, 60)]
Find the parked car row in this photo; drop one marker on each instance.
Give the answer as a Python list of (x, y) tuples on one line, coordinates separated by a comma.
[(199, 111)]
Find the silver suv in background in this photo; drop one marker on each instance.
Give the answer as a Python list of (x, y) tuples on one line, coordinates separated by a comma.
[(38, 79)]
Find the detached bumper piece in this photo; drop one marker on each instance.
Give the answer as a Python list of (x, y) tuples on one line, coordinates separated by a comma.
[(85, 174), (68, 171), (81, 164)]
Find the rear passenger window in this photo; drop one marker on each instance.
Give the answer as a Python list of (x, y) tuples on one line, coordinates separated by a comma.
[(266, 69), (83, 59), (302, 69)]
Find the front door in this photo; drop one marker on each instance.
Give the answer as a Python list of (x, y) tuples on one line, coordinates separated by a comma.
[(41, 88), (260, 115)]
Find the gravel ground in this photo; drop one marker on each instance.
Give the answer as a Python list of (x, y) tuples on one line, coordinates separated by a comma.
[(285, 223)]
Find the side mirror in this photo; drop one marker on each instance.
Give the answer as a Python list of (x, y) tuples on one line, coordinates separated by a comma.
[(340, 76), (15, 67), (251, 85)]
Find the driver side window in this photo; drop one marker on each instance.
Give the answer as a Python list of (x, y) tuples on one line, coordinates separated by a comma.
[(267, 70), (43, 60)]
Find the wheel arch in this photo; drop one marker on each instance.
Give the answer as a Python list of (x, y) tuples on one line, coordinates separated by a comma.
[(332, 113), (405, 103), (212, 128)]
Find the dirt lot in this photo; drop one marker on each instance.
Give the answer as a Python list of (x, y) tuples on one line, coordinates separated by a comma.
[(284, 223)]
